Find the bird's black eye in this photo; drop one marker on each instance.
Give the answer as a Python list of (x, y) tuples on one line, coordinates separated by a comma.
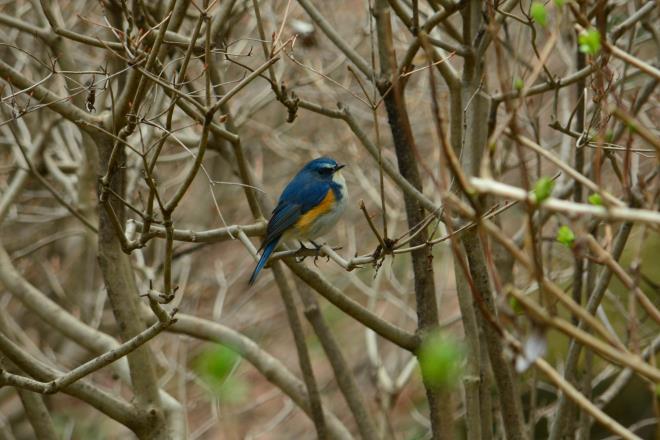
[(326, 170)]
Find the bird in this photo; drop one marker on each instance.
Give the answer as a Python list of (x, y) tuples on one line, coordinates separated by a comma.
[(310, 205)]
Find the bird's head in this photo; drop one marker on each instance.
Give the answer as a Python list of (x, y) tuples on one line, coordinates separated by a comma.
[(323, 167)]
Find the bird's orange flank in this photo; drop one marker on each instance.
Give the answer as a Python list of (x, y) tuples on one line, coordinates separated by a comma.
[(324, 207)]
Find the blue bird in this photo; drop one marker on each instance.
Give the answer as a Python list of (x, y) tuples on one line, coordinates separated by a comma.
[(309, 207)]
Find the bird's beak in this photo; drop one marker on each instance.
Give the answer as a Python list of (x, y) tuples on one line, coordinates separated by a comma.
[(339, 167)]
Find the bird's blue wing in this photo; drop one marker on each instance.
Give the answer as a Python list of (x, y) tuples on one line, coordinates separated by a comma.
[(284, 216), (307, 192), (299, 196)]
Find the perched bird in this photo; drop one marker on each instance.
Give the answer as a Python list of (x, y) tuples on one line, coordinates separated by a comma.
[(309, 207)]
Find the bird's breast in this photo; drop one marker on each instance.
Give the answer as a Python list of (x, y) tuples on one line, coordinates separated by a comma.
[(320, 219)]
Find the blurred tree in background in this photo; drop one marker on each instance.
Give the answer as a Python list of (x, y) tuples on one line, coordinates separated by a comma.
[(495, 275)]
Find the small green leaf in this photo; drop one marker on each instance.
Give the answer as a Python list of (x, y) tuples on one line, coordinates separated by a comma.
[(216, 362), (215, 367), (560, 3), (565, 236), (518, 84), (515, 306), (543, 189), (589, 41), (595, 199), (440, 358), (538, 13)]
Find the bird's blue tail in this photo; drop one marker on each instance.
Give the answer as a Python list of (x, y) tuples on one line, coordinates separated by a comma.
[(268, 249)]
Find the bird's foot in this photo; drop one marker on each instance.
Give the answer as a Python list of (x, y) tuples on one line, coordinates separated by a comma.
[(316, 250), (300, 254)]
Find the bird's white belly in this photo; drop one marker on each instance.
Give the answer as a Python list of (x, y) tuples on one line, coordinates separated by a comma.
[(324, 222)]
